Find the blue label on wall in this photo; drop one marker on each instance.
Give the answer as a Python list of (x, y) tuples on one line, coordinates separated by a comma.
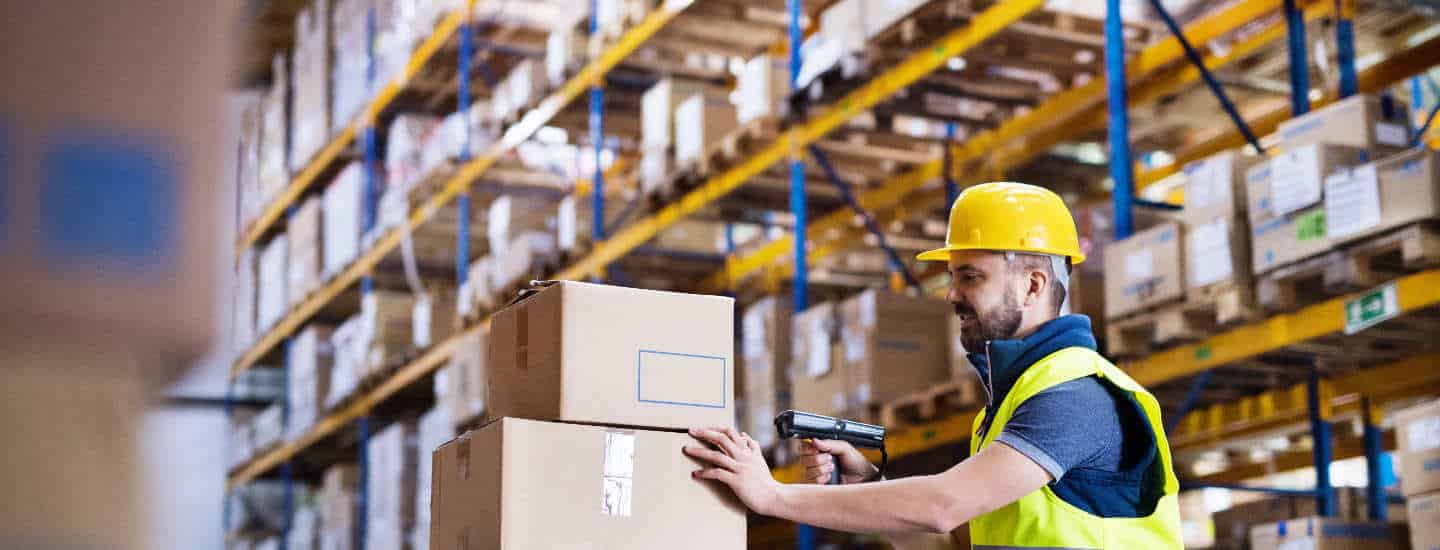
[(109, 199)]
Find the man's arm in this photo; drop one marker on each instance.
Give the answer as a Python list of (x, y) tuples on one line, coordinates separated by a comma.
[(939, 503)]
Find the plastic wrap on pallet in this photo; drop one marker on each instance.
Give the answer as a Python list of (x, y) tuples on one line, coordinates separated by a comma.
[(274, 145), (404, 150), (523, 256), (311, 359), (348, 354), (245, 300), (271, 287), (343, 219), (390, 502), (310, 115), (336, 502), (303, 265)]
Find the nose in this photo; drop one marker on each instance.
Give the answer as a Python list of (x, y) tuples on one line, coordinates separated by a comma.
[(952, 295)]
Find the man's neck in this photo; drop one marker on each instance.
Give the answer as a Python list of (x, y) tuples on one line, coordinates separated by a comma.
[(1030, 322)]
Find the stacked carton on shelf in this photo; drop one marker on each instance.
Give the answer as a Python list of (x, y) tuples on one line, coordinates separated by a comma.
[(310, 359), (818, 378), (892, 345), (700, 123), (347, 363), (1286, 210), (765, 360), (304, 529), (1389, 193), (303, 265), (271, 283), (434, 429), (1417, 434), (310, 115), (336, 501), (245, 299), (1322, 533), (390, 502), (343, 222), (460, 385), (597, 368), (269, 428), (761, 88), (349, 76), (274, 144), (386, 329), (1217, 244), (1145, 270), (657, 121)]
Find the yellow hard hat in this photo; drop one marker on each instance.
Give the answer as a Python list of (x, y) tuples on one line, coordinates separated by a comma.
[(1008, 216)]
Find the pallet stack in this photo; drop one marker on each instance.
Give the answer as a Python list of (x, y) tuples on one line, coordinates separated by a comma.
[(765, 361), (583, 411)]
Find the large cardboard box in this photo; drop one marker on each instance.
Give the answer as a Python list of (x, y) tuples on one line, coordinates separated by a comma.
[(765, 360), (700, 123), (1320, 533), (818, 379), (310, 113), (520, 484), (1417, 431), (386, 329), (308, 368), (1362, 121), (1280, 236), (893, 345), (1144, 270), (762, 86), (343, 222), (1217, 237), (390, 500), (434, 429), (274, 144), (657, 107), (303, 265), (1389, 193), (1215, 186), (272, 300), (336, 501), (607, 354), (1424, 515), (349, 71)]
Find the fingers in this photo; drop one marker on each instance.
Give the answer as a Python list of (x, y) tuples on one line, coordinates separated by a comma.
[(715, 458), (809, 460), (717, 474), (718, 438), (819, 474)]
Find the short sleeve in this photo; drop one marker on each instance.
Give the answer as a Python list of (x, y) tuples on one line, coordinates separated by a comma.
[(1075, 424)]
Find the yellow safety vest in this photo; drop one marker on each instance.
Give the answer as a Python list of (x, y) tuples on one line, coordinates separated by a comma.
[(1041, 519)]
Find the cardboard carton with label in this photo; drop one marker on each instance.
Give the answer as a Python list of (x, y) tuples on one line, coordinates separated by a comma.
[(1321, 533), (1144, 270), (1417, 434), (1389, 193), (893, 345), (818, 378), (1286, 208), (1217, 235), (1375, 123)]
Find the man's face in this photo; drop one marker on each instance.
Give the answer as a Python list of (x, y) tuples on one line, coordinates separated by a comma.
[(985, 294)]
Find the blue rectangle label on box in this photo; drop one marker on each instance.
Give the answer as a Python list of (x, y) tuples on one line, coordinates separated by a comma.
[(685, 379)]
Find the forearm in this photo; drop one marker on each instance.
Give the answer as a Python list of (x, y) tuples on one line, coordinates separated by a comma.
[(911, 504)]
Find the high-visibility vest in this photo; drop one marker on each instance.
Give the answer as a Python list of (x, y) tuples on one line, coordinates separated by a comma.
[(1041, 519)]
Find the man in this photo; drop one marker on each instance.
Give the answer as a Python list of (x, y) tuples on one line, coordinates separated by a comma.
[(1069, 451)]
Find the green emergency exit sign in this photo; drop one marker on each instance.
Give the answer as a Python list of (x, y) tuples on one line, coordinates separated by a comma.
[(1372, 307)]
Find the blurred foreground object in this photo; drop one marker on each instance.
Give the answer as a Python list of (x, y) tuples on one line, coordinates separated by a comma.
[(109, 167)]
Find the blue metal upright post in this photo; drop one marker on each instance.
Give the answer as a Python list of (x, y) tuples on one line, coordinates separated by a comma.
[(597, 140), (806, 536), (225, 496), (1374, 469), (1320, 435), (1121, 166), (372, 153), (1210, 81), (362, 492), (1299, 63), (462, 201), (1345, 47), (952, 190), (287, 477)]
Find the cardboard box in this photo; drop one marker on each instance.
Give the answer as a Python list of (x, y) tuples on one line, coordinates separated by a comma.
[(386, 328), (511, 483), (433, 319), (336, 501), (818, 378), (241, 440), (1215, 186), (1279, 238), (310, 114), (765, 361), (521, 260), (349, 72), (700, 123), (1424, 515), (1144, 270), (526, 84), (304, 529), (245, 299), (347, 366), (247, 162), (595, 353), (476, 295), (654, 167), (1392, 192), (564, 54), (310, 360), (657, 107), (893, 345), (405, 149), (272, 300), (460, 386), (269, 428), (1417, 431), (303, 265), (390, 503), (274, 144), (344, 222), (434, 429), (1217, 253), (762, 87), (1362, 121), (1320, 533)]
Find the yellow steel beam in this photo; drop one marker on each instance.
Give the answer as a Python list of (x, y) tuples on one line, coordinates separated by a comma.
[(1344, 448), (332, 151), (1416, 291), (982, 27), (469, 172), (1053, 119), (1280, 408)]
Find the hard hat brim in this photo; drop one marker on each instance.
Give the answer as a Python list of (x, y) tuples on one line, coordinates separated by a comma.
[(943, 254)]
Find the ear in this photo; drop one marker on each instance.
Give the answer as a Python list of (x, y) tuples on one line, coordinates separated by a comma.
[(1036, 282)]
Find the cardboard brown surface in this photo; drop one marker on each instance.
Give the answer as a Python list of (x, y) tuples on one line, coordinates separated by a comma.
[(1358, 121), (522, 484), (1217, 252), (1417, 435), (893, 345), (1319, 533), (1278, 239), (1424, 515), (1215, 186), (1232, 525), (1408, 190), (1144, 270), (818, 379), (606, 354)]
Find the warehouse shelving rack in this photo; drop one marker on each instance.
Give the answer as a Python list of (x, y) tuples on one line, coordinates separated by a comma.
[(1154, 72)]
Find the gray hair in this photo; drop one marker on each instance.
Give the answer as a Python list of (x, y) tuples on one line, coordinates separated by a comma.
[(1056, 268)]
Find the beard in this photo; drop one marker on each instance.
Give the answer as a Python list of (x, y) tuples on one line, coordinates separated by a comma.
[(1000, 323)]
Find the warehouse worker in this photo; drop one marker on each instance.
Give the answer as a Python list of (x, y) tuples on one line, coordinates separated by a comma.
[(1069, 452)]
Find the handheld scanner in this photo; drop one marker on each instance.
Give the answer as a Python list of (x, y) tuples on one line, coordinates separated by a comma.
[(798, 424)]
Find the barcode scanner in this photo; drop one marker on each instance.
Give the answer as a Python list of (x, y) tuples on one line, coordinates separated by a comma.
[(802, 425)]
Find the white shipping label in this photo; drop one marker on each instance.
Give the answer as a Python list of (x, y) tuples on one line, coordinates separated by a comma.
[(420, 322), (618, 477), (1423, 435), (818, 363), (1295, 179), (1303, 543), (867, 310), (1140, 264), (1209, 182), (1392, 134), (1209, 253), (565, 223), (689, 379), (1352, 201)]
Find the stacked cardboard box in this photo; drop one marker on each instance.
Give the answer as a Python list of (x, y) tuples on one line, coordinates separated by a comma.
[(762, 86), (390, 502), (343, 222), (1321, 533), (1217, 243), (893, 345), (1232, 525), (271, 283), (1417, 434), (433, 317), (1287, 215), (405, 149), (303, 264), (700, 123), (245, 299), (1373, 198), (336, 501), (476, 295), (274, 144), (242, 438), (386, 329), (613, 359), (247, 165), (460, 385), (448, 142), (564, 53), (521, 88), (657, 109), (522, 258), (269, 428), (350, 51), (304, 529), (765, 361), (347, 361), (1144, 270), (308, 368), (310, 115), (817, 375), (1377, 124), (434, 429)]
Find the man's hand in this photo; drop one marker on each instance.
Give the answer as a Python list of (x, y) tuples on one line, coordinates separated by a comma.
[(818, 457), (738, 464)]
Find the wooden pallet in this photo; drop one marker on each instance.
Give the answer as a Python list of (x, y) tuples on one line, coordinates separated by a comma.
[(1356, 266), (928, 404), (1203, 312)]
